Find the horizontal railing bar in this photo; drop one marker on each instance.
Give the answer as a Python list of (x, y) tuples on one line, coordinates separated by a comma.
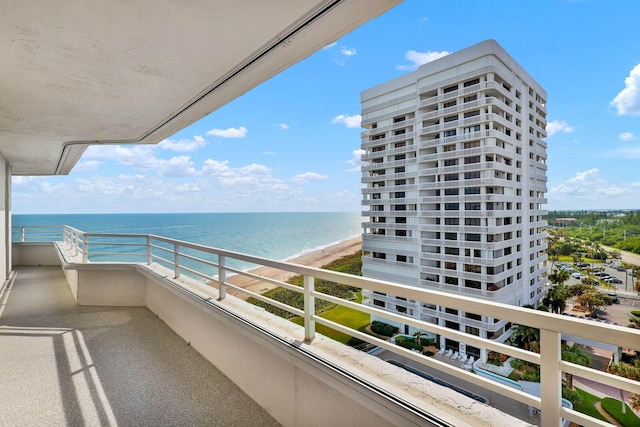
[(582, 419), (601, 377), (439, 330), (170, 262), (197, 273), (116, 253), (279, 283), (199, 260), (162, 248), (142, 245), (278, 304)]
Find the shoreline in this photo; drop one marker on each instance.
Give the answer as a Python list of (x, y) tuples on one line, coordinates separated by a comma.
[(314, 258)]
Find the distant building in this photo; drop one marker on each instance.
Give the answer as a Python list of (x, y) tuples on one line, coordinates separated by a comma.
[(454, 186), (564, 222)]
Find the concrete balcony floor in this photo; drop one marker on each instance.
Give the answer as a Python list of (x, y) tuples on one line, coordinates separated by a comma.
[(63, 364)]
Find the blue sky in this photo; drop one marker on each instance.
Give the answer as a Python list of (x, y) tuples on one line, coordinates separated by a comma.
[(292, 144)]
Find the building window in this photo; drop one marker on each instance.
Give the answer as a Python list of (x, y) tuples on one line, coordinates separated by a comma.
[(472, 82), (451, 191), (472, 190), (471, 144), (472, 175), (450, 147), (451, 162), (450, 89), (473, 222), (451, 206), (472, 237), (378, 303), (450, 133), (475, 206), (451, 177), (380, 255), (450, 236), (401, 258), (451, 221), (471, 160)]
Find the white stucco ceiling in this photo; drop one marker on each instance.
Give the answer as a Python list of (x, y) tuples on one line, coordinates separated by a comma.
[(76, 72)]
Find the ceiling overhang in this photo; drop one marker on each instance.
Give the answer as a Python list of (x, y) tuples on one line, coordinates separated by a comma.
[(79, 73)]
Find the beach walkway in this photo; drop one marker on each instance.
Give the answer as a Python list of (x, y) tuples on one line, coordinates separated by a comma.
[(63, 364)]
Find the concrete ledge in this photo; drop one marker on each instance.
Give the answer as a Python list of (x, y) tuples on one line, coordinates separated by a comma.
[(34, 254)]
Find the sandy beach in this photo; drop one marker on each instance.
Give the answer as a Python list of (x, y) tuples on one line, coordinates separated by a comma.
[(312, 259)]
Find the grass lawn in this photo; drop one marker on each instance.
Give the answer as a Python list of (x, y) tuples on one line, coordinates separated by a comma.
[(342, 315), (614, 408), (588, 405)]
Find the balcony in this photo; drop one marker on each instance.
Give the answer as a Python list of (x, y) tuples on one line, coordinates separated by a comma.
[(124, 292)]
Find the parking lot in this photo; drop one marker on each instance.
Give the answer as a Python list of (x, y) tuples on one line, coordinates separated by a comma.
[(618, 280)]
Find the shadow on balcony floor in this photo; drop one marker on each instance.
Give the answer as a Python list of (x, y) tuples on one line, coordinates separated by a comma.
[(63, 364)]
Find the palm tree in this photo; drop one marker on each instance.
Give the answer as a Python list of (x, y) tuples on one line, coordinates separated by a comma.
[(575, 355), (557, 297), (634, 322), (418, 334), (628, 371), (525, 337)]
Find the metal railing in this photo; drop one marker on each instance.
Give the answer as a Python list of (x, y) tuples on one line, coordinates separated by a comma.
[(214, 266)]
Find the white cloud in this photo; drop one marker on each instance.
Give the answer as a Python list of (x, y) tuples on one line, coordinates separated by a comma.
[(344, 54), (356, 160), (87, 166), (282, 126), (587, 190), (348, 52), (176, 166), (137, 156), (183, 145), (556, 126), (626, 136), (419, 58), (305, 177), (192, 187), (627, 102), (347, 120), (240, 132), (329, 46), (269, 153)]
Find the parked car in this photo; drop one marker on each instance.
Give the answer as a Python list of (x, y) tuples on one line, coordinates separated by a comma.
[(614, 280), (578, 275)]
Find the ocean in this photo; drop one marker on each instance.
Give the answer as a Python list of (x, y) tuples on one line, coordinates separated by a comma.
[(278, 236)]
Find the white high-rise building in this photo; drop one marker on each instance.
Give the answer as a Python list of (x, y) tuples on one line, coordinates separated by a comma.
[(454, 186)]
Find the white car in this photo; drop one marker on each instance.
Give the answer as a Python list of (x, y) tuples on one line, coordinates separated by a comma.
[(578, 276)]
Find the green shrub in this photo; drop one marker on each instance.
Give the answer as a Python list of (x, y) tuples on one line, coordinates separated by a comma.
[(635, 313), (427, 341), (532, 375), (614, 408), (572, 396), (428, 353), (409, 343), (382, 328)]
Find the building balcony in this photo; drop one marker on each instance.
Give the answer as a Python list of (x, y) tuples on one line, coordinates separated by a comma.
[(136, 329)]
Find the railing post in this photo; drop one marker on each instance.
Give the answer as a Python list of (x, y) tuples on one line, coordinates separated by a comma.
[(148, 250), (176, 260), (222, 277), (22, 234), (309, 309), (85, 248), (550, 378)]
